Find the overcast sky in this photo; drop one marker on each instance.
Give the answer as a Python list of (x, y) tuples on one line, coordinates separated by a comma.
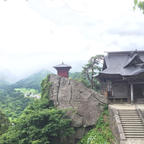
[(38, 34)]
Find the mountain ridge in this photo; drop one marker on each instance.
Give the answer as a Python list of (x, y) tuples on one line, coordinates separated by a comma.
[(33, 81)]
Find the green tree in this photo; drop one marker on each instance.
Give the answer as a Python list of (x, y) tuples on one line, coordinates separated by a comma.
[(91, 69), (139, 4), (13, 102), (40, 123)]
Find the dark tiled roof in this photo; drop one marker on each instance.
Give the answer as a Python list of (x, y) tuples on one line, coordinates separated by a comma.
[(127, 63)]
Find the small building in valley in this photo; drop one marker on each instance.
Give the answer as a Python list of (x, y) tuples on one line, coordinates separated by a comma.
[(122, 77), (63, 70)]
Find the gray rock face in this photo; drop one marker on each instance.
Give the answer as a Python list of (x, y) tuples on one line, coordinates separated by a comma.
[(85, 105)]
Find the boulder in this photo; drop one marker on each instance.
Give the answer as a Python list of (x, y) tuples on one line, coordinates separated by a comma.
[(84, 105)]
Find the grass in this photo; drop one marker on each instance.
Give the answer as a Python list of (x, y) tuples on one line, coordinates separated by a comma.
[(101, 134)]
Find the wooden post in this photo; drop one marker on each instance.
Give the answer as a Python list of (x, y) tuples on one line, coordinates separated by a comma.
[(132, 95)]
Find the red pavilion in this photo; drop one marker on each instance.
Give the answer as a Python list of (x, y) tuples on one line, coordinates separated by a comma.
[(63, 70)]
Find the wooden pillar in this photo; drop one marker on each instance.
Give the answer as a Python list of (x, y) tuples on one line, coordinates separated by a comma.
[(132, 94)]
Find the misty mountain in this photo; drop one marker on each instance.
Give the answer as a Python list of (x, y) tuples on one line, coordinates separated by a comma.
[(4, 84), (33, 81), (7, 77)]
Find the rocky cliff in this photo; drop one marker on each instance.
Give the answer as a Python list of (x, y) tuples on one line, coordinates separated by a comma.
[(84, 105)]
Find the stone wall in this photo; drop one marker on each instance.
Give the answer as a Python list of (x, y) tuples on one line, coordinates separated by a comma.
[(115, 125)]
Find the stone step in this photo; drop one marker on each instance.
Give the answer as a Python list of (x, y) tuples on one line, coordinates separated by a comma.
[(131, 136), (135, 134), (122, 118), (130, 119), (133, 124), (133, 131), (127, 120), (127, 127), (127, 111), (129, 132), (135, 128), (124, 114), (129, 115)]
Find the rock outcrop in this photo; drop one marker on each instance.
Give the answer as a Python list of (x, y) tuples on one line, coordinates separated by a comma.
[(84, 105)]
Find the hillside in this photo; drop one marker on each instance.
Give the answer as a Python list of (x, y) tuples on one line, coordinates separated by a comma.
[(4, 123), (13, 102), (13, 97), (33, 81)]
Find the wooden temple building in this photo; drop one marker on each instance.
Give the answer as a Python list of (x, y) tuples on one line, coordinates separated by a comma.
[(63, 70), (122, 77)]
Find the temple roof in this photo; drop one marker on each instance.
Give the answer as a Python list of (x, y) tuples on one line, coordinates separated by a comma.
[(125, 63), (62, 65)]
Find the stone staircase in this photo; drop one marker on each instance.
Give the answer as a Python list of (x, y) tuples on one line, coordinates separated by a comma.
[(132, 124)]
